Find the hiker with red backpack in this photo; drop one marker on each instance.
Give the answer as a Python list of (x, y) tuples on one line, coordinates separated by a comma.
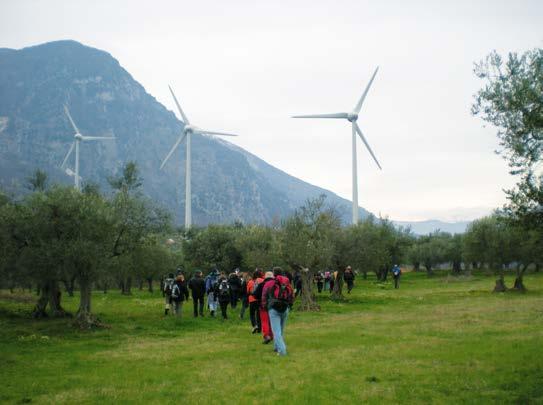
[(254, 302), (263, 309), (278, 297)]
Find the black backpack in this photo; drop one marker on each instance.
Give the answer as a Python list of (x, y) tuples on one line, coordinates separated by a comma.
[(224, 289), (176, 292), (168, 283)]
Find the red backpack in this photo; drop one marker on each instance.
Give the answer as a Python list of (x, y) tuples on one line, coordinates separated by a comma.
[(281, 295)]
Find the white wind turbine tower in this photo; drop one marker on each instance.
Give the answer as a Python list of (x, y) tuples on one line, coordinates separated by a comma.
[(77, 139), (352, 117), (188, 130)]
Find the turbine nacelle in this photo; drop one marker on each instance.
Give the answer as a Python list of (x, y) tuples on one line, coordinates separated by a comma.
[(78, 137), (189, 129), (352, 116)]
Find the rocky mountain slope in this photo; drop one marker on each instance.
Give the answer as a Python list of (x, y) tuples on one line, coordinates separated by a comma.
[(228, 183)]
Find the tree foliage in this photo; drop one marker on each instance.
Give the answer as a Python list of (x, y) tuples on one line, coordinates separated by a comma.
[(511, 101)]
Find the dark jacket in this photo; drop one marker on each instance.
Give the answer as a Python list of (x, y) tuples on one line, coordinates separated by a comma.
[(348, 275), (197, 287), (260, 288), (222, 295), (234, 281), (183, 291), (243, 290)]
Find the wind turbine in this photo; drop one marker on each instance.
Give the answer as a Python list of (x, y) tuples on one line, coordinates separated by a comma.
[(77, 139), (188, 130), (352, 117)]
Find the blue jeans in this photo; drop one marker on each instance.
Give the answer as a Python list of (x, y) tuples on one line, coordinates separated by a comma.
[(278, 321), (212, 302)]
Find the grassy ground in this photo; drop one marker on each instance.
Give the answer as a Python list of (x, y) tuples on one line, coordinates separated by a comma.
[(437, 340)]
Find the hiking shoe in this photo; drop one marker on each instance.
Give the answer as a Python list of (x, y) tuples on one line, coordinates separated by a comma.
[(267, 340)]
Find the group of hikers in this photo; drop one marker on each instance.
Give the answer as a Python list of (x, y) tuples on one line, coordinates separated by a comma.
[(268, 295), (327, 279)]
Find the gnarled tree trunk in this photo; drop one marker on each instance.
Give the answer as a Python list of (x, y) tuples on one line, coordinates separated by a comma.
[(150, 284), (500, 285), (43, 300), (308, 302), (70, 286), (429, 270), (54, 301), (519, 285), (337, 293), (84, 319), (456, 267), (126, 286), (49, 295)]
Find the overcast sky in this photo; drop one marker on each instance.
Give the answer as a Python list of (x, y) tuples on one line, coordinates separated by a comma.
[(247, 66)]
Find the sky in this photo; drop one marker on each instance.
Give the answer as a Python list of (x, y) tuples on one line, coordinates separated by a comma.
[(247, 66)]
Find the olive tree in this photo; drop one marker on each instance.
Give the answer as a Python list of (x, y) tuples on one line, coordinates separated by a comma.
[(308, 242), (511, 101)]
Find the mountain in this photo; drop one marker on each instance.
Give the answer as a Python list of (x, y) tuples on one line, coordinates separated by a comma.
[(425, 227), (228, 183)]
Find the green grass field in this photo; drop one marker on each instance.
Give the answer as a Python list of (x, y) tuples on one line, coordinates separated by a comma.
[(437, 340)]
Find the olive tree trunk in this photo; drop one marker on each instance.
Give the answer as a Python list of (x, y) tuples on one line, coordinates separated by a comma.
[(126, 286), (500, 284), (54, 301), (308, 301), (84, 319), (337, 292), (456, 267), (519, 284), (49, 295), (41, 304)]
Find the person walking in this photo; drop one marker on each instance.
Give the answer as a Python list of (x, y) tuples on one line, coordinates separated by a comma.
[(348, 276), (333, 280), (327, 277), (297, 282), (167, 292), (235, 286), (197, 288), (319, 279), (180, 293), (278, 297), (396, 274), (254, 303), (243, 296), (210, 283), (224, 294), (267, 333)]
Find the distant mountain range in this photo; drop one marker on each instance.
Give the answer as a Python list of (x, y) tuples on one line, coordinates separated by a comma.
[(425, 227), (228, 183)]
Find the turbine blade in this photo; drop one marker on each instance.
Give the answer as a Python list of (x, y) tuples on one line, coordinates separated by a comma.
[(68, 155), (96, 138), (201, 131), (185, 119), (359, 104), (367, 144), (335, 115), (179, 140), (67, 112)]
